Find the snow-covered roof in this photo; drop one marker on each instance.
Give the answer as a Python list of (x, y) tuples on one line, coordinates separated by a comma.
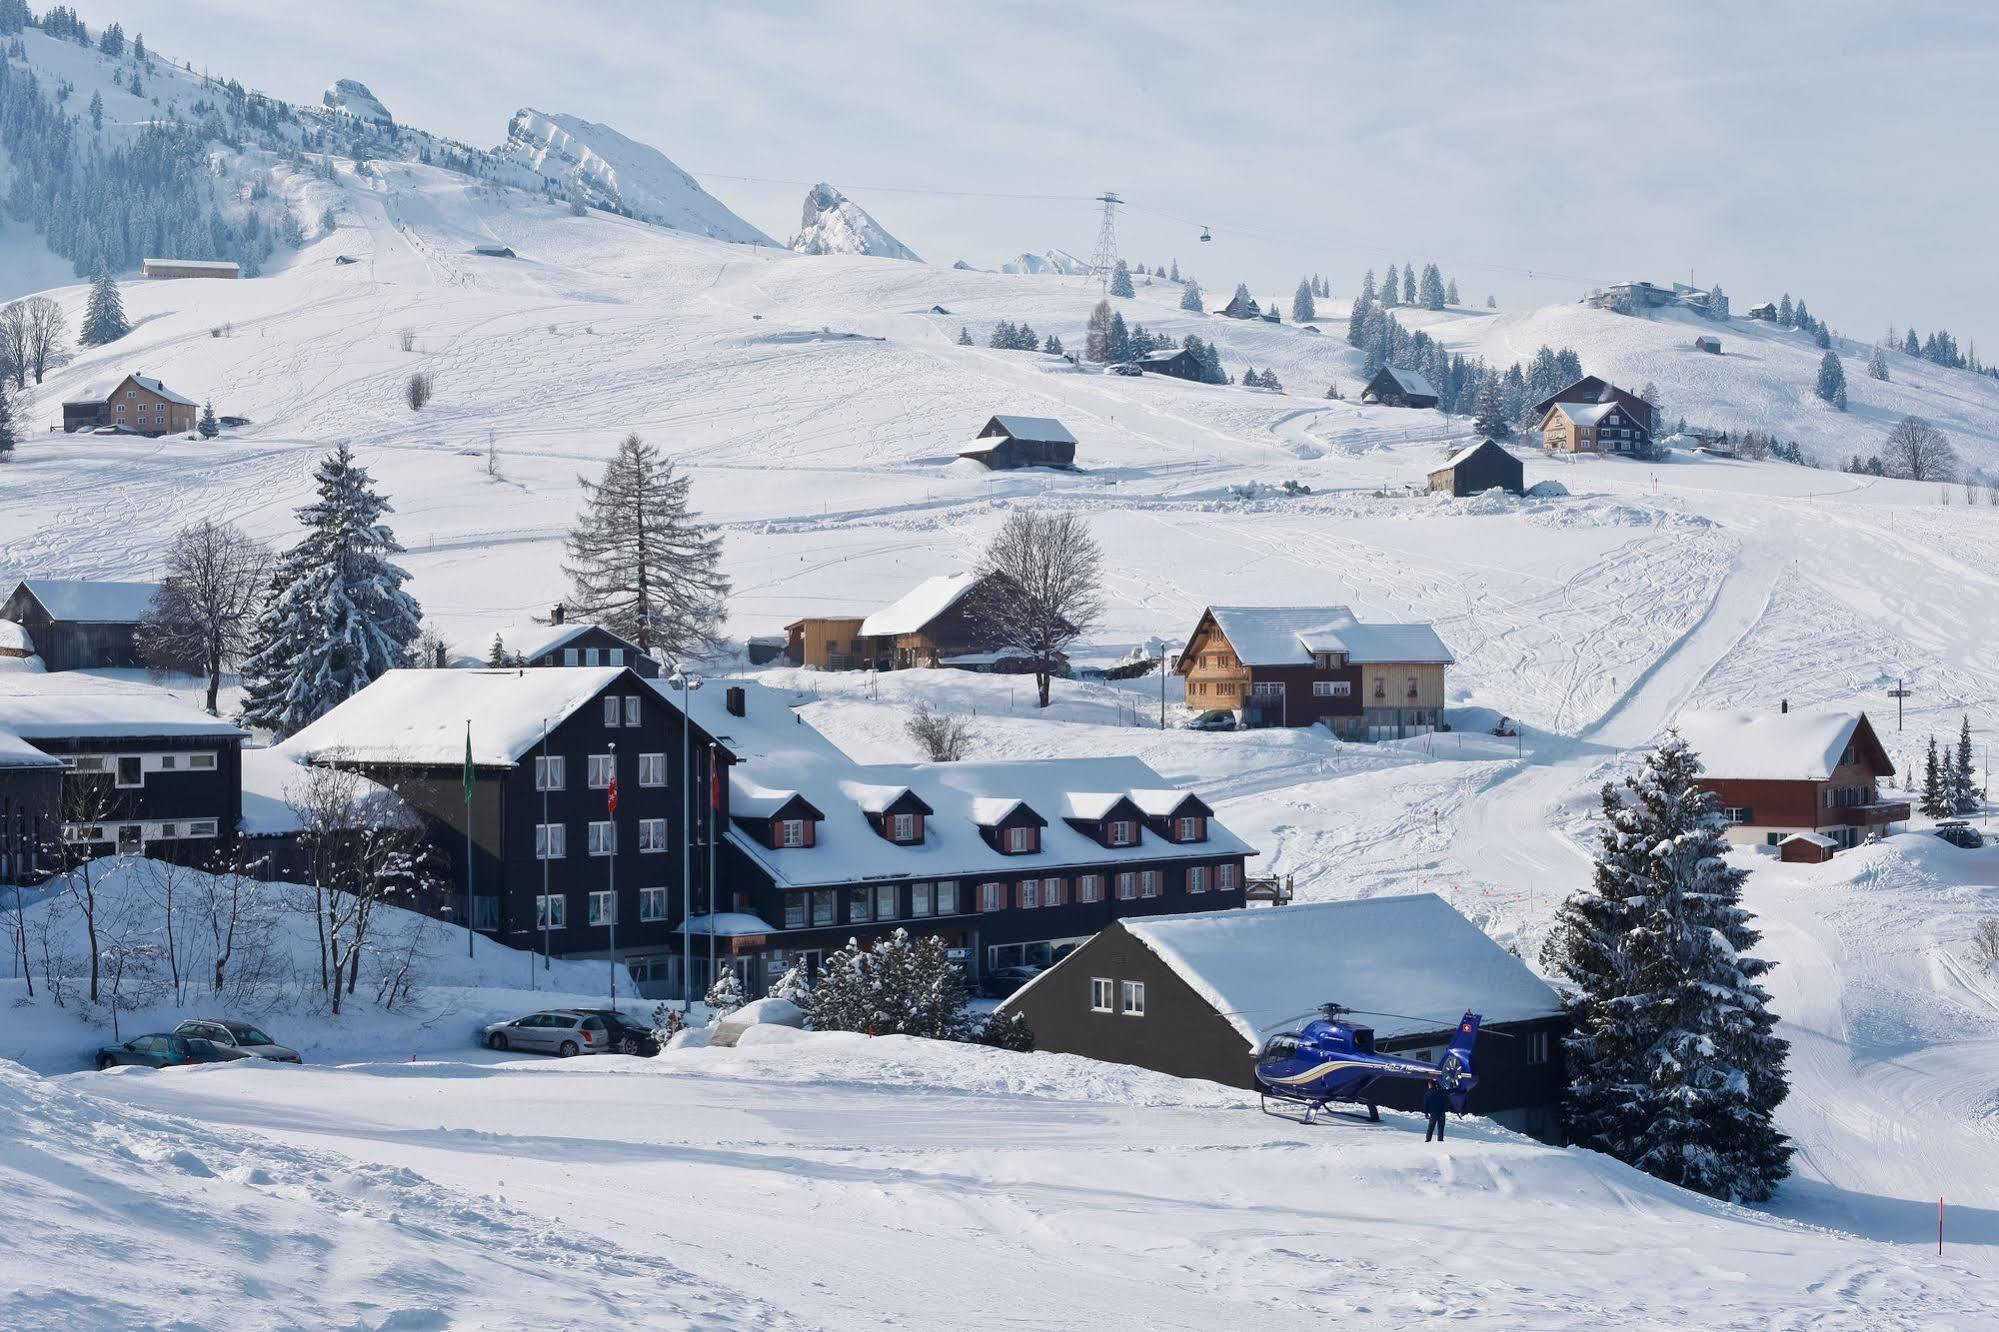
[(212, 265), (730, 925), (18, 753), (1160, 802), (418, 717), (1285, 635), (1468, 450), (70, 704), (1164, 354), (873, 797), (1043, 429), (1813, 838), (1412, 381), (1266, 970), (920, 605), (1769, 746), (87, 601), (777, 755), (273, 778), (156, 386), (1585, 413), (1089, 804), (531, 639)]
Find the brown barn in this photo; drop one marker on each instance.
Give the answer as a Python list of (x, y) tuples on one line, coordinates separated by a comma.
[(136, 404), (1597, 427), (1301, 665), (1807, 848), (1479, 467), (1778, 773), (1008, 442), (78, 624), (1195, 996), (828, 643), (1393, 387), (1593, 388), (937, 620)]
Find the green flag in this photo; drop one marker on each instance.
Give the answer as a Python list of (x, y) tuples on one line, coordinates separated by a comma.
[(468, 762)]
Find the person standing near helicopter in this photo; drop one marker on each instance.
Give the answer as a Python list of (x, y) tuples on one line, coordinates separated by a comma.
[(1436, 1102)]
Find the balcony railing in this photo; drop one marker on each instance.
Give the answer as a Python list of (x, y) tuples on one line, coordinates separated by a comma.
[(1874, 815)]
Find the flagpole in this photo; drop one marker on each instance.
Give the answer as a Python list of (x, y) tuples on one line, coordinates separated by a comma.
[(470, 933)]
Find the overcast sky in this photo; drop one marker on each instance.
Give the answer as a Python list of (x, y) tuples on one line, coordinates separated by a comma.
[(1844, 152)]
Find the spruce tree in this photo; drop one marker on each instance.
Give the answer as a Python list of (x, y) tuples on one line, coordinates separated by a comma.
[(1367, 292), (1832, 379), (1121, 280), (1877, 364), (793, 986), (1785, 317), (1490, 420), (1303, 311), (1965, 795), (104, 317), (1174, 276), (1674, 1062), (1492, 302), (1408, 285), (1431, 289), (1451, 292), (337, 616), (641, 562), (1935, 800), (496, 655), (207, 425), (1118, 340), (725, 995), (1190, 299), (964, 336), (1097, 334)]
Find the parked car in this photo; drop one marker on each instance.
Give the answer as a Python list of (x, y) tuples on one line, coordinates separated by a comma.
[(1959, 833), (166, 1050), (1002, 982), (628, 1035), (1215, 719), (238, 1035), (560, 1032), (1129, 369)]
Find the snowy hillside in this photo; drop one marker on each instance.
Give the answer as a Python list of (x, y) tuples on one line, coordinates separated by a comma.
[(834, 224), (603, 167), (1048, 261)]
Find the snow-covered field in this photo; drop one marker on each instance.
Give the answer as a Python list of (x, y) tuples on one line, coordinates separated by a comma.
[(818, 403)]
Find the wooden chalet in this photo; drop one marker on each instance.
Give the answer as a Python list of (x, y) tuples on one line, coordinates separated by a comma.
[(1594, 389), (31, 783), (1242, 305), (1177, 362), (1196, 996), (1480, 467), (828, 643), (136, 404), (1597, 427), (78, 624), (1007, 442), (1776, 774), (1708, 343), (1767, 312), (565, 642), (939, 622), (1307, 665), (1394, 387)]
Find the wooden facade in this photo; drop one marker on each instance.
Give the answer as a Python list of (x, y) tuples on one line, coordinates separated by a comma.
[(1601, 428), (172, 797), (1356, 700), (69, 639), (1180, 364), (1594, 388), (829, 643), (1846, 805), (1484, 466), (137, 405), (1007, 442), (1391, 387), (30, 815)]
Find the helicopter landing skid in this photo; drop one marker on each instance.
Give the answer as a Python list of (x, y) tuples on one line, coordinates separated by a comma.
[(1263, 1099)]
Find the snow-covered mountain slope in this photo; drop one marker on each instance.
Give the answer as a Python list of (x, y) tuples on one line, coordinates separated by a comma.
[(351, 97), (1048, 261), (834, 224), (605, 168)]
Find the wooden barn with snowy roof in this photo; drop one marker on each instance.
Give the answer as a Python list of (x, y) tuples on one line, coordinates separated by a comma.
[(1393, 386), (1008, 442)]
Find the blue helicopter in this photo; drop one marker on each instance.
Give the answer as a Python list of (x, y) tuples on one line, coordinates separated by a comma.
[(1332, 1061)]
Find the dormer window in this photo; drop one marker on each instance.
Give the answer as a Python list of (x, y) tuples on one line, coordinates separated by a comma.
[(791, 833), (1120, 832), (1022, 841), (1190, 830)]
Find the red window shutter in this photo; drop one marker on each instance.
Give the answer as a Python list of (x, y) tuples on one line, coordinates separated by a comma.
[(916, 827), (811, 828)]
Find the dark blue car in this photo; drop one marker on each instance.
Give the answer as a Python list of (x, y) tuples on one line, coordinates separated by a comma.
[(166, 1050)]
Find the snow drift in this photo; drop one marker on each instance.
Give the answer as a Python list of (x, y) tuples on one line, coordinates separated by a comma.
[(834, 224)]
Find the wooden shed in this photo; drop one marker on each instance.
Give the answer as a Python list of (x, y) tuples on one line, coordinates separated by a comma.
[(80, 625), (1483, 466), (1395, 387), (1707, 342), (1807, 848), (1008, 442)]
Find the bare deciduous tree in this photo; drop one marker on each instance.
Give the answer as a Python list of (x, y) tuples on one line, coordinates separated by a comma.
[(1042, 588), (406, 338), (1918, 451), (89, 803), (421, 388), (942, 738), (14, 343), (201, 620), (47, 335), (1985, 943)]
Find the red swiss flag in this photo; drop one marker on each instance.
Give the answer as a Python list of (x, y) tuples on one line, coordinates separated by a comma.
[(611, 794)]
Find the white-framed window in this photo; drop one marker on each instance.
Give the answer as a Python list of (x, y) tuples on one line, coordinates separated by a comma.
[(652, 904), (1090, 888), (551, 912), (652, 835), (1028, 894), (610, 702), (604, 838), (919, 899), (1100, 994), (551, 773), (1537, 1047), (601, 768), (652, 770), (901, 827), (1149, 883), (592, 657), (167, 763), (201, 828), (825, 906), (795, 907), (1225, 878), (992, 897), (1197, 878), (131, 770), (885, 903), (1268, 689), (1332, 689), (1054, 892), (1127, 886), (1192, 829), (631, 709), (569, 657), (1133, 998), (550, 841), (1738, 814), (1019, 840), (947, 898), (617, 656), (860, 906), (1120, 832), (791, 832), (601, 908)]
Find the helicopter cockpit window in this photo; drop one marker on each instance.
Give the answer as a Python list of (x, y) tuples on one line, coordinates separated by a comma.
[(1280, 1047)]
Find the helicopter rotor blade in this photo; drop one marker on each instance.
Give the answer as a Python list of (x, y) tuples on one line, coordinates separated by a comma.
[(1440, 1023)]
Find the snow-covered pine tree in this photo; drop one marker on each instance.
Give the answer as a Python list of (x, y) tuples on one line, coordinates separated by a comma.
[(1271, 381), (640, 562), (1006, 1029), (1174, 276), (1117, 339), (496, 655), (337, 616), (206, 424), (1451, 292), (1190, 298), (1717, 302), (843, 1000), (794, 985), (6, 424), (1838, 398), (97, 110), (104, 317), (1002, 337), (1490, 420), (1877, 364), (1786, 318), (1121, 280), (1651, 394), (1431, 289), (1935, 800), (1965, 795), (1303, 311), (1492, 302), (725, 996), (1053, 346), (1832, 379), (1408, 285), (1674, 1062), (964, 336), (1367, 292)]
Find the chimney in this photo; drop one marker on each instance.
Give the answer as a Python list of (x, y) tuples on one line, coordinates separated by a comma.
[(1783, 705), (733, 699), (555, 615)]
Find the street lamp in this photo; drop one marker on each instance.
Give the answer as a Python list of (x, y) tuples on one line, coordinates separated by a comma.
[(686, 684)]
